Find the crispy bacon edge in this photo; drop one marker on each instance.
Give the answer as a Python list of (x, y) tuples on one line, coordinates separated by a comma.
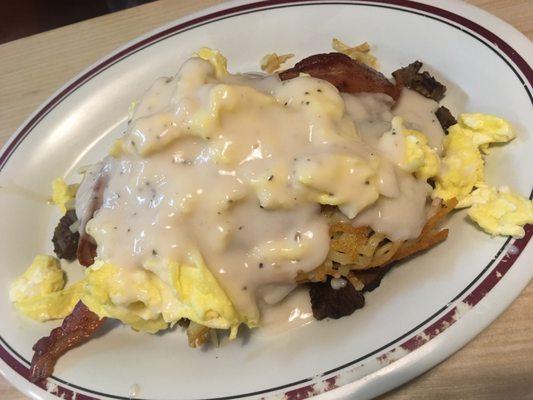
[(76, 329), (346, 74)]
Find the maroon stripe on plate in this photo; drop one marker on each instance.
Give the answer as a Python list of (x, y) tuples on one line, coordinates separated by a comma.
[(15, 364), (24, 371), (513, 251), (484, 32)]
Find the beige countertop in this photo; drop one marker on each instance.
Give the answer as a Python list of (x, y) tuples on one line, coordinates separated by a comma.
[(498, 364)]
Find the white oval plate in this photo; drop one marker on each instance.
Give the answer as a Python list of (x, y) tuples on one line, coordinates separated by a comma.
[(424, 310)]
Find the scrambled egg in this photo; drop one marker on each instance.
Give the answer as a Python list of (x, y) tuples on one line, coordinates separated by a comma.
[(462, 164), (151, 299), (39, 292), (63, 195), (499, 211), (117, 148), (216, 59), (203, 123), (148, 299), (337, 179), (359, 53), (410, 150), (496, 211)]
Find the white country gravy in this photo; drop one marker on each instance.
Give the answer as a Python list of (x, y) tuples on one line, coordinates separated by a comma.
[(236, 168)]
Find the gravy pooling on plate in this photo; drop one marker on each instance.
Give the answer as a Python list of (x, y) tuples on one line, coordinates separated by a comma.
[(234, 169)]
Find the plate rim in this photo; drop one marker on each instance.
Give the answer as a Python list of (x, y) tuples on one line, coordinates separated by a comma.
[(229, 9)]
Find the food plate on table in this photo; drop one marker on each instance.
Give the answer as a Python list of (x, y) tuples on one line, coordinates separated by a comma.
[(308, 181)]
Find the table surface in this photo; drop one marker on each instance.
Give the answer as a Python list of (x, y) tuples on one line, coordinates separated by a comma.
[(498, 364)]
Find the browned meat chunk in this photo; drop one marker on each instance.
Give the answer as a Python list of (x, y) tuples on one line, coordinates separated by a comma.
[(421, 82), (91, 192), (327, 302), (184, 322), (65, 240), (345, 74), (86, 251), (445, 117), (76, 329), (371, 277)]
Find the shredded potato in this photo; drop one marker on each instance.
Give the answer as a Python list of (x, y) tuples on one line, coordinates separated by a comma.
[(359, 53), (272, 62), (357, 249), (198, 334)]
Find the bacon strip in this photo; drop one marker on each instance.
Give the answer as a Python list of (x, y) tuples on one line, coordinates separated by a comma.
[(76, 329), (346, 74)]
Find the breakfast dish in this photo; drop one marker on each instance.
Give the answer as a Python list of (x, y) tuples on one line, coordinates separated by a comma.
[(262, 200)]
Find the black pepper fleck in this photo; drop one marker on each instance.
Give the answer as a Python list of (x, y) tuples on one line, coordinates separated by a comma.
[(261, 265), (270, 177)]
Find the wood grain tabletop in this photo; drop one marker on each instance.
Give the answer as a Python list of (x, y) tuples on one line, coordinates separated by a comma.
[(498, 364)]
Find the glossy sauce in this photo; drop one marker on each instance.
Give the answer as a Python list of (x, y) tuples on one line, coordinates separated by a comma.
[(236, 168)]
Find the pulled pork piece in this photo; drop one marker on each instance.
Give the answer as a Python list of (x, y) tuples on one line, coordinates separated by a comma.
[(76, 329), (66, 238), (327, 302), (345, 74), (445, 117), (420, 82)]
